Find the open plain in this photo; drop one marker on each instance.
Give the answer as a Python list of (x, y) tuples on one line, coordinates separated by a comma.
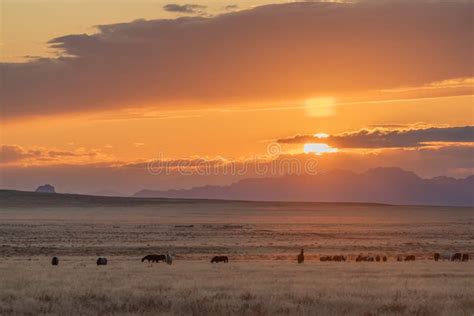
[(261, 240)]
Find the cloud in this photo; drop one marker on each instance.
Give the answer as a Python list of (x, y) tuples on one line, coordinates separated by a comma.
[(274, 52), (231, 7), (184, 8), (15, 154), (390, 138)]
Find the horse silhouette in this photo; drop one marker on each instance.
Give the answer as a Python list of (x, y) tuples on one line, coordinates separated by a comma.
[(300, 257), (101, 261), (55, 261), (410, 258), (218, 259)]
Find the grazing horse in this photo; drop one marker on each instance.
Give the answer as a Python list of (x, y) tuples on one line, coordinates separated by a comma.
[(465, 257), (218, 259), (364, 258), (300, 257), (55, 261), (377, 258), (154, 258), (410, 258), (339, 258), (457, 257), (384, 258), (101, 261), (436, 256), (169, 258)]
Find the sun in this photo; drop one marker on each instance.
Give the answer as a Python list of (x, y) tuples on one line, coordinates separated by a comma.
[(318, 148)]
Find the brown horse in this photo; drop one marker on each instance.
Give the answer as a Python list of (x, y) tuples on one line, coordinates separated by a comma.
[(457, 257), (436, 256), (384, 258), (364, 258), (55, 261), (218, 259), (465, 257), (300, 257), (339, 258), (410, 258)]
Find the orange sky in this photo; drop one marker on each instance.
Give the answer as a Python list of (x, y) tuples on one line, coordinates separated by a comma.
[(220, 84)]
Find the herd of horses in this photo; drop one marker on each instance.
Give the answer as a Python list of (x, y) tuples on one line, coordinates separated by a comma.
[(458, 256), (168, 258)]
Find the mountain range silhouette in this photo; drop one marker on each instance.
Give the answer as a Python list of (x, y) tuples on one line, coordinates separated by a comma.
[(380, 185)]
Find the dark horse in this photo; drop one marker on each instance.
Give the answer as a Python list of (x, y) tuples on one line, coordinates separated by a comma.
[(410, 258), (465, 257), (218, 259), (55, 261), (300, 257), (101, 261), (436, 256), (456, 257), (154, 258)]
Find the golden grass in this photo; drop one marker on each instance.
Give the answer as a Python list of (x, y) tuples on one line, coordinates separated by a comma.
[(127, 286)]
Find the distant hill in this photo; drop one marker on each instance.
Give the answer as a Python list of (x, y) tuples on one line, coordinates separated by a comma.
[(381, 185), (47, 188), (26, 199), (35, 200)]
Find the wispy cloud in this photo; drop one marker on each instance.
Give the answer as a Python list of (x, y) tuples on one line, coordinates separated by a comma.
[(185, 8), (19, 155)]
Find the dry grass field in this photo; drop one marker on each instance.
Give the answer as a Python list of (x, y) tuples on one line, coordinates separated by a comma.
[(126, 286), (261, 240)]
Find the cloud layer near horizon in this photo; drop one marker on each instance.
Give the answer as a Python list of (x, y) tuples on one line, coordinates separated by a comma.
[(455, 161), (390, 138), (267, 53)]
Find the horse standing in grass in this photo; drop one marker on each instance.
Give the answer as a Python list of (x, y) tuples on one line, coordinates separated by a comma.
[(457, 257), (300, 257), (218, 259), (154, 258), (168, 258), (410, 258), (101, 261)]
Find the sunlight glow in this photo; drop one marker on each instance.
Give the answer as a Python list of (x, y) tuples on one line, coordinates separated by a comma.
[(320, 107), (318, 148), (321, 135)]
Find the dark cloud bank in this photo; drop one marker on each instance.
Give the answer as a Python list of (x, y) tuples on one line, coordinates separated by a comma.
[(269, 52), (390, 138), (184, 8)]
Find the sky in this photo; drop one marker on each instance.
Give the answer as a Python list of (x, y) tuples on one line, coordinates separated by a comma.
[(92, 92)]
